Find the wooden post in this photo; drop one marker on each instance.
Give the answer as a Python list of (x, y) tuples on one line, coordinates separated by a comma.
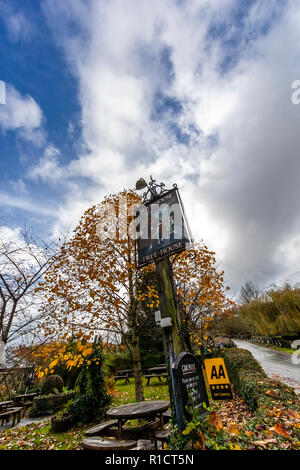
[(167, 300)]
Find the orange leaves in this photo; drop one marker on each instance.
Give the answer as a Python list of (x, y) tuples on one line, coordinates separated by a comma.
[(200, 444), (87, 351), (265, 442), (279, 429), (292, 414), (215, 421), (53, 364), (234, 430)]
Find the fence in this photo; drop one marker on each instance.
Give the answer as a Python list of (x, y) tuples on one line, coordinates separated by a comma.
[(12, 381)]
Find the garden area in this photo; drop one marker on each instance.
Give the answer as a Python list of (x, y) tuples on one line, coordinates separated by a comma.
[(263, 414)]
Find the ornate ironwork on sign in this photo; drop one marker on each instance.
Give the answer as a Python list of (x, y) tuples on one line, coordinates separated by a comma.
[(154, 191)]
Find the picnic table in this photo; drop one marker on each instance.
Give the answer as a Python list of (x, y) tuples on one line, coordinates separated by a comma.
[(151, 411), (124, 374), (158, 371), (148, 410), (5, 404), (25, 400), (14, 413)]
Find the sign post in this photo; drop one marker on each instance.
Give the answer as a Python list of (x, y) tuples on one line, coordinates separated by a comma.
[(162, 230), (169, 322)]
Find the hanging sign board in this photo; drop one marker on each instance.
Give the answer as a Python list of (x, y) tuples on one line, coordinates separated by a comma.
[(189, 387), (218, 379), (161, 228)]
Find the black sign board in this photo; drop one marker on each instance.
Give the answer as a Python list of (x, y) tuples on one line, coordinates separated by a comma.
[(189, 387), (161, 228)]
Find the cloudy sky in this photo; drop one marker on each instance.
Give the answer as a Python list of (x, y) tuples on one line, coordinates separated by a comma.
[(197, 92)]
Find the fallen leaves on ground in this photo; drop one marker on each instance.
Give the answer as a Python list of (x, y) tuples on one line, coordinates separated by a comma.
[(215, 421), (273, 426)]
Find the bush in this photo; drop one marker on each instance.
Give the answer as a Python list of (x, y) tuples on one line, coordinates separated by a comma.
[(91, 400), (118, 361), (52, 384), (61, 423), (250, 381), (45, 405)]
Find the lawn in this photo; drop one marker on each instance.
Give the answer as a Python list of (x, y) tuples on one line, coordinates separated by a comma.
[(155, 391)]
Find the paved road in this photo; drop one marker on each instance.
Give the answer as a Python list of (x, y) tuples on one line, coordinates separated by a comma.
[(275, 363)]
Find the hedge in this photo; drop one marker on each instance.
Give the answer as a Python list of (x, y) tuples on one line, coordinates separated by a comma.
[(251, 382), (61, 423), (45, 405)]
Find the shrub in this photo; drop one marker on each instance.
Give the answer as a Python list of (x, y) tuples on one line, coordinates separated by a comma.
[(250, 381), (91, 400), (52, 384), (61, 423), (45, 405), (118, 361)]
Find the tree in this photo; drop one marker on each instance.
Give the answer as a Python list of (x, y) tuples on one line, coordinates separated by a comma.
[(24, 260), (249, 292), (94, 287), (201, 295), (276, 312)]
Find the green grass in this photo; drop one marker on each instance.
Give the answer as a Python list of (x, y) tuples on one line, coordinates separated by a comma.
[(155, 391), (285, 350), (38, 436)]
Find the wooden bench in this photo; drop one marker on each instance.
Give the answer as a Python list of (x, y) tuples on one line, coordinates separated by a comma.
[(120, 377), (97, 443), (11, 412), (99, 429), (124, 374), (151, 376), (161, 435), (110, 429)]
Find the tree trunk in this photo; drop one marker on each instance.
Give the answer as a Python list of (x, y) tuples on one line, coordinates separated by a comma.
[(137, 368)]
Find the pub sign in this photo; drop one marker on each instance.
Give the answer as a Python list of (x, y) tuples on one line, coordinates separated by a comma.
[(189, 387), (161, 228)]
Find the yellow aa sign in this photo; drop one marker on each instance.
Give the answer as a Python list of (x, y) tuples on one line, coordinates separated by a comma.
[(217, 378), (216, 371)]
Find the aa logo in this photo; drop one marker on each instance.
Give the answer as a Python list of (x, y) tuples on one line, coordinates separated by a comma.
[(216, 371), (217, 374)]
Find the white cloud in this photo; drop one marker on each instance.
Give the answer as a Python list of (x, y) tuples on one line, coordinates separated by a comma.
[(25, 204), (21, 113), (48, 168), (18, 25), (239, 172)]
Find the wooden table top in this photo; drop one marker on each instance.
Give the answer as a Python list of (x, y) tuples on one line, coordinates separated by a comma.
[(5, 403), (138, 410), (157, 368)]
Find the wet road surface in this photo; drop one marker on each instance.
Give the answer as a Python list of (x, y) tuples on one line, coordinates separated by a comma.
[(275, 363)]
